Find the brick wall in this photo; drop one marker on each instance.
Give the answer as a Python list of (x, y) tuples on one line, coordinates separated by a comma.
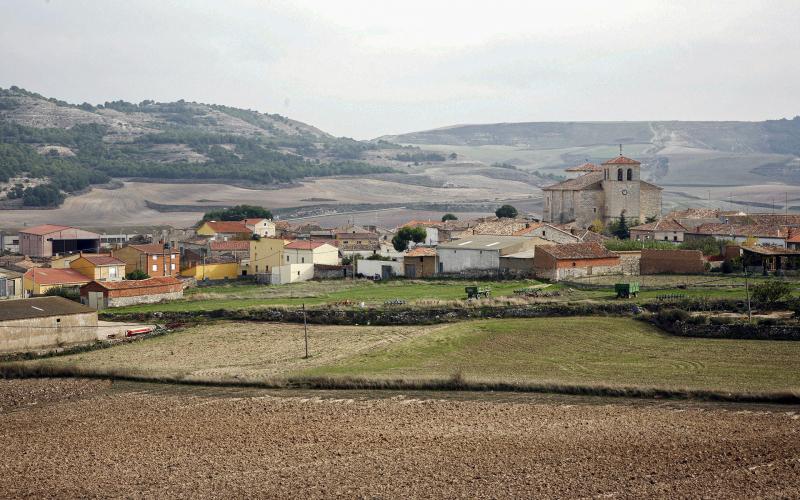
[(671, 261)]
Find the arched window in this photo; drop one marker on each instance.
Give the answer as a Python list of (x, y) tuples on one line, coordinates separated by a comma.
[(630, 174), (619, 174)]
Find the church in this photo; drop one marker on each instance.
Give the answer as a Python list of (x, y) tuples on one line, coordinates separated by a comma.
[(603, 192)]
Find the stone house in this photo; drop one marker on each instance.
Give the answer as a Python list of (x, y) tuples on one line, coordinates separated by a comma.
[(571, 260), (763, 234), (45, 323), (100, 295), (604, 194)]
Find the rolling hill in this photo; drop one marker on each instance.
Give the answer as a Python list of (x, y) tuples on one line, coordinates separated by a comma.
[(50, 147)]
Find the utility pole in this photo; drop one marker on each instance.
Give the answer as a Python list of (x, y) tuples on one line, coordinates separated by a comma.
[(747, 291), (305, 329)]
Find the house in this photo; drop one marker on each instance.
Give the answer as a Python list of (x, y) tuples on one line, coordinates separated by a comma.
[(49, 239), (99, 267), (690, 218), (767, 259), (264, 228), (761, 234), (571, 260), (363, 243), (225, 230), (102, 294), (478, 252), (606, 194), (501, 226), (384, 268), (300, 257), (660, 230), (10, 284), (265, 254), (421, 262), (45, 323), (548, 232), (155, 259), (38, 280)]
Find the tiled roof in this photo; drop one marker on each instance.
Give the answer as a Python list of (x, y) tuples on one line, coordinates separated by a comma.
[(577, 251), (590, 236), (525, 230), (44, 229), (694, 213), (421, 252), (252, 221), (228, 227), (40, 307), (150, 248), (660, 225), (9, 273), (49, 276), (305, 244), (621, 160), (755, 230), (500, 227), (350, 236), (770, 250), (145, 283), (581, 182), (229, 245), (586, 167), (103, 260)]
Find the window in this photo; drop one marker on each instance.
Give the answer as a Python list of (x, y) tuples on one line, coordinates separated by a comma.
[(112, 272), (172, 267), (674, 238), (302, 260), (155, 257), (619, 174), (630, 174), (256, 267), (172, 256), (155, 267), (287, 258), (573, 264), (594, 209), (666, 238)]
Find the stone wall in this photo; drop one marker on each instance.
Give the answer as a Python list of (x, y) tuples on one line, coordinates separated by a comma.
[(629, 262), (143, 299), (650, 202)]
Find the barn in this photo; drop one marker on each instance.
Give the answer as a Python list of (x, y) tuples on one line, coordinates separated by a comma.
[(102, 294), (45, 323)]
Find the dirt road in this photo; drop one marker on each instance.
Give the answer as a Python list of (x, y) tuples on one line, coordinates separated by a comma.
[(136, 440)]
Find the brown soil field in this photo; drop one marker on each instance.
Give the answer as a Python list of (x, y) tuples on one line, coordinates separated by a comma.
[(140, 440)]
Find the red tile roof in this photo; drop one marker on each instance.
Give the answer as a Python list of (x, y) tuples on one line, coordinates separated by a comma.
[(228, 227), (145, 283), (747, 230), (253, 221), (586, 167), (229, 245), (577, 251), (49, 276), (621, 160), (661, 225), (150, 248), (306, 244), (577, 183), (103, 260), (44, 229), (421, 252)]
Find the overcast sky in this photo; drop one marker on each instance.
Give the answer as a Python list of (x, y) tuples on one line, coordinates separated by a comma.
[(364, 69)]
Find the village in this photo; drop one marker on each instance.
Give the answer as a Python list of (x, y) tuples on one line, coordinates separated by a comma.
[(603, 222)]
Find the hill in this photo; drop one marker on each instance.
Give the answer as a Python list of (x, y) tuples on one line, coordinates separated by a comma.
[(50, 147)]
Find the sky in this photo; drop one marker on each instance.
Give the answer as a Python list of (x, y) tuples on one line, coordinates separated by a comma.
[(364, 69)]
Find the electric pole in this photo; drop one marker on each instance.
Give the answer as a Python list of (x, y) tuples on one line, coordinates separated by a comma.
[(305, 330)]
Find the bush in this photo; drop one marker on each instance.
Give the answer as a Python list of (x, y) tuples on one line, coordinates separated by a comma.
[(506, 211), (137, 274), (67, 293), (700, 319), (727, 266), (771, 291), (673, 315), (722, 320)]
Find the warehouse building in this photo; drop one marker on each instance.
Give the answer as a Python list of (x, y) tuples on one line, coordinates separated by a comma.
[(45, 323)]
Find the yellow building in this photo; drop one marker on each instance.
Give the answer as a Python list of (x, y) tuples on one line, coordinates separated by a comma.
[(265, 254), (225, 230), (38, 280), (99, 267), (213, 271)]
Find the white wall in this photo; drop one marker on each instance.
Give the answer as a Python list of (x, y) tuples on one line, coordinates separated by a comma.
[(373, 267), (292, 273), (457, 260)]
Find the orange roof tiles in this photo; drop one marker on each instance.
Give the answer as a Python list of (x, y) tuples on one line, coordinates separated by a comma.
[(421, 252), (49, 276), (621, 160), (228, 227), (577, 251)]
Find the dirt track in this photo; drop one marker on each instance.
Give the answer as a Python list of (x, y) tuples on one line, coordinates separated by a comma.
[(158, 441)]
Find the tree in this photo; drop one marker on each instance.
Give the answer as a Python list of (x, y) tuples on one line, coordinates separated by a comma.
[(597, 226), (238, 212), (621, 230), (406, 235), (506, 211), (448, 216), (137, 274), (771, 291), (650, 219), (67, 293)]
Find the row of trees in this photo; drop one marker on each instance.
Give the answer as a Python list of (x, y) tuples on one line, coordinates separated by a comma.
[(238, 212)]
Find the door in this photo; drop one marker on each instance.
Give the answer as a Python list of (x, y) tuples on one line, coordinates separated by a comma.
[(386, 272), (411, 271), (96, 300)]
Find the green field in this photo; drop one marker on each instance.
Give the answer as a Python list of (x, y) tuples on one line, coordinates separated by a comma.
[(586, 351), (583, 350)]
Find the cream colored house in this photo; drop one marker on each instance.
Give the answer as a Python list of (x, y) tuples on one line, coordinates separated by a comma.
[(262, 227), (299, 258), (99, 267)]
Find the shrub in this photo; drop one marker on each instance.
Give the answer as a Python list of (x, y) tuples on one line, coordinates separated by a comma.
[(700, 319), (506, 211), (137, 274), (771, 291), (67, 293), (721, 320), (727, 266), (673, 315)]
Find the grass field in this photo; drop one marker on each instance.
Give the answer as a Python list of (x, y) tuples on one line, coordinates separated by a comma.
[(592, 351)]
